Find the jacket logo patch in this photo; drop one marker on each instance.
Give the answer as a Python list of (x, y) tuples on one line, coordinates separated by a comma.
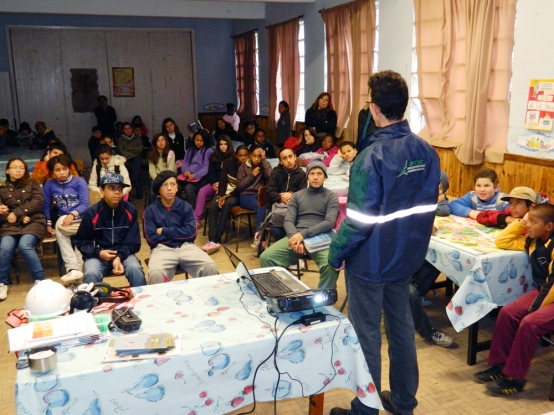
[(411, 167)]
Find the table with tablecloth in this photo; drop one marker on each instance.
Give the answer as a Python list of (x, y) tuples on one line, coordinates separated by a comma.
[(227, 334)]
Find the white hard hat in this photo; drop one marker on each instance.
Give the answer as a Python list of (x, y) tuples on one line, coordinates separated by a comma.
[(47, 298)]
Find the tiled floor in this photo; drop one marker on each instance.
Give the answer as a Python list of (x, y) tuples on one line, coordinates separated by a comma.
[(446, 382)]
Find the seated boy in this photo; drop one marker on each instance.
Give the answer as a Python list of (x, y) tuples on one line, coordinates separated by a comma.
[(109, 235), (521, 323), (261, 140), (94, 142), (284, 180), (170, 230), (521, 199), (340, 164), (311, 211), (486, 196)]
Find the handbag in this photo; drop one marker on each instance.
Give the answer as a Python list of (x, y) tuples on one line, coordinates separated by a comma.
[(278, 213)]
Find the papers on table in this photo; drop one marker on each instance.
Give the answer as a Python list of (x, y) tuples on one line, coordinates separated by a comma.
[(128, 344)]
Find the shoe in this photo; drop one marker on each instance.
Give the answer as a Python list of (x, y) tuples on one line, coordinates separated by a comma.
[(72, 276), (339, 411), (506, 386), (256, 242), (211, 247), (425, 302), (489, 375), (385, 400), (3, 291), (301, 264), (441, 339)]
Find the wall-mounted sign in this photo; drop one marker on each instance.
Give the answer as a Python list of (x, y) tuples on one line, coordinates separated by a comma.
[(123, 82), (214, 107), (539, 114)]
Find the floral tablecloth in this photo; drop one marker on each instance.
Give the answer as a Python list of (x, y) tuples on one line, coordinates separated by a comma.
[(227, 334), (487, 277)]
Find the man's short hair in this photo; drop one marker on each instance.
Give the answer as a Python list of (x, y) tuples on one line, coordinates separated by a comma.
[(545, 211), (389, 92), (283, 149), (486, 174)]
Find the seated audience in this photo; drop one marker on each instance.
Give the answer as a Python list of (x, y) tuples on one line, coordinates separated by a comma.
[(487, 196), (285, 180), (227, 197), (3, 139), (131, 148), (283, 124), (108, 162), (196, 165), (222, 127), (325, 154), (311, 211), (520, 199), (118, 131), (170, 230), (10, 136), (263, 142), (340, 164), (109, 235), (308, 142), (223, 151), (160, 158), (176, 140), (521, 323), (22, 223), (443, 208), (109, 141), (321, 116), (137, 122), (422, 324), (25, 134), (41, 172), (44, 137), (65, 200), (232, 117), (94, 143), (145, 141), (249, 128), (252, 175)]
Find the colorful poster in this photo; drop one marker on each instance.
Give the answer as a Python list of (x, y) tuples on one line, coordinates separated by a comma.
[(123, 82), (539, 113)]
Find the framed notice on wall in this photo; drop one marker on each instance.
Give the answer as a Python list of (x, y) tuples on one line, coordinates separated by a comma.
[(123, 82), (539, 114)]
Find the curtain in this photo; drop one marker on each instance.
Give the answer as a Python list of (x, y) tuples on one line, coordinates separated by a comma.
[(464, 50), (283, 50), (245, 57), (350, 39)]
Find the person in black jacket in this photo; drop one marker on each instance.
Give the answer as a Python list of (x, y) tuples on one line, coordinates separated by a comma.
[(105, 116), (109, 237), (176, 140), (321, 116), (262, 141), (285, 179)]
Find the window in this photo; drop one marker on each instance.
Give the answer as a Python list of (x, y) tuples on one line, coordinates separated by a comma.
[(257, 72), (417, 120)]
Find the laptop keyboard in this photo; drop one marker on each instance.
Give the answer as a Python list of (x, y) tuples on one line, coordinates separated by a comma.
[(270, 284)]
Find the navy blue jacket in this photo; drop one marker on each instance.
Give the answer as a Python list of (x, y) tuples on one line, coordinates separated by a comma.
[(392, 199), (177, 223), (105, 228)]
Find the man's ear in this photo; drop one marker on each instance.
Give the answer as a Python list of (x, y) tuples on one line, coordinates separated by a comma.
[(550, 226)]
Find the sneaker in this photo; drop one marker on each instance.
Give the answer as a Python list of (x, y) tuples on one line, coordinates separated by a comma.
[(441, 339), (211, 247), (506, 386), (489, 375), (385, 400), (301, 264), (256, 242), (3, 291), (425, 302), (72, 276), (339, 411)]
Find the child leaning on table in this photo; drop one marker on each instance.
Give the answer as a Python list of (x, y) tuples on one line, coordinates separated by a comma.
[(521, 323), (486, 196), (521, 200)]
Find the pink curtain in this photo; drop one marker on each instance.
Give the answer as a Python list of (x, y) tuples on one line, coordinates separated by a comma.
[(245, 56), (283, 49), (464, 52), (350, 38)]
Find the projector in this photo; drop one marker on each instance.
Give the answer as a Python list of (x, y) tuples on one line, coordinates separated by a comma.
[(304, 300)]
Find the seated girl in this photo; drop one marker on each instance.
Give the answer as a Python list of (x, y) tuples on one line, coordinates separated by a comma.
[(249, 128), (196, 165), (65, 200), (222, 127), (106, 162), (21, 219), (325, 154), (137, 122), (340, 164), (308, 142), (41, 173), (223, 151)]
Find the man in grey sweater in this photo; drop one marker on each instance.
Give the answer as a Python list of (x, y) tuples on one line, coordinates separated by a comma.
[(311, 212)]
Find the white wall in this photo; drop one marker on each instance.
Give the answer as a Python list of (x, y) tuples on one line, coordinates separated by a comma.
[(533, 59)]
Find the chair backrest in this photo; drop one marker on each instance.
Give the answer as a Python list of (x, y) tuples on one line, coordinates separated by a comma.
[(262, 196), (93, 197)]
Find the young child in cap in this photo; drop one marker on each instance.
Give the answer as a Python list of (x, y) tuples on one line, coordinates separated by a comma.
[(521, 200)]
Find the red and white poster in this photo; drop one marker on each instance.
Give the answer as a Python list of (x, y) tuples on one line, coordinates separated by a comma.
[(539, 114)]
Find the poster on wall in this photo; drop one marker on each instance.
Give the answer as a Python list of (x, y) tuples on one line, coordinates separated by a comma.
[(539, 114), (123, 82)]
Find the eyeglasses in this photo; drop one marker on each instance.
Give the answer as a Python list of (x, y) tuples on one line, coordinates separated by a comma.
[(17, 168)]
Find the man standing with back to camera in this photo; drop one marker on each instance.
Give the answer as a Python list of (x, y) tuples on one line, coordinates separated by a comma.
[(392, 199)]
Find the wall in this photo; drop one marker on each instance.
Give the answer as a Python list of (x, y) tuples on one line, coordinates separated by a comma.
[(215, 72)]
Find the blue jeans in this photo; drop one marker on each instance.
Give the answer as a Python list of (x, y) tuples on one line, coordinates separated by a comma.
[(365, 303), (26, 245), (96, 270), (251, 202)]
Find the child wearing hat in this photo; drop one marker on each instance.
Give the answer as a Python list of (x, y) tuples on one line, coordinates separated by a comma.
[(521, 200), (170, 230), (109, 235)]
